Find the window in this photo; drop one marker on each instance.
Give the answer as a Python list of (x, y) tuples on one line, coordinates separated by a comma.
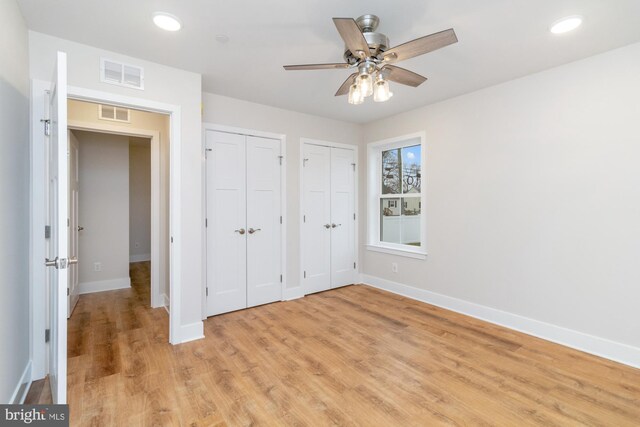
[(396, 221)]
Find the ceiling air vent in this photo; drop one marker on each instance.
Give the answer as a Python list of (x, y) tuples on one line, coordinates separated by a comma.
[(120, 74), (113, 113)]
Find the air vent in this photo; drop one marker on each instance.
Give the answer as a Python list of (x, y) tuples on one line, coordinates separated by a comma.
[(120, 74), (113, 113)]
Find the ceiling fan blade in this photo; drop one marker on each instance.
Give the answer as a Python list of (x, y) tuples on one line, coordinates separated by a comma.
[(337, 66), (352, 36), (402, 76), (344, 89), (420, 46)]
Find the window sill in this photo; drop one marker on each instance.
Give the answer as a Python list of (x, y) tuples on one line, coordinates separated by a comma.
[(408, 253)]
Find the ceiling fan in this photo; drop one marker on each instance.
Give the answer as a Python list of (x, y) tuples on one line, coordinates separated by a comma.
[(369, 53)]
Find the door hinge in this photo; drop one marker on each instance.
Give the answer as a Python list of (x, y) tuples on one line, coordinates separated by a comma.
[(47, 126), (47, 231), (354, 265), (68, 222), (172, 239), (305, 275), (304, 162), (354, 166), (281, 278), (67, 291), (354, 216), (304, 218), (280, 219), (47, 335), (206, 222), (280, 159), (206, 291)]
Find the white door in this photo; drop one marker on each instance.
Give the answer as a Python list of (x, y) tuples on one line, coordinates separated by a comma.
[(343, 259), (263, 221), (316, 225), (74, 228), (226, 222), (57, 250)]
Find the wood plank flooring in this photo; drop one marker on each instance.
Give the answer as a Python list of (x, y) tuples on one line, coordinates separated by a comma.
[(351, 356), (39, 393)]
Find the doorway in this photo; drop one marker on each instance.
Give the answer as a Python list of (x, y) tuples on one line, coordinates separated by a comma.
[(48, 326), (123, 208)]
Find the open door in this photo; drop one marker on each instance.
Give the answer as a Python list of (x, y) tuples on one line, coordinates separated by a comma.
[(58, 242)]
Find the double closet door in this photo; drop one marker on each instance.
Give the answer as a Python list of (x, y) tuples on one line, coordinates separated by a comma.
[(243, 221), (329, 220)]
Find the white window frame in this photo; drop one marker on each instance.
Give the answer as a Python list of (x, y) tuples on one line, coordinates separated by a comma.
[(374, 161)]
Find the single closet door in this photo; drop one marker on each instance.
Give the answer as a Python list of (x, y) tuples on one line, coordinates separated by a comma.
[(263, 221), (343, 250), (316, 225), (226, 222)]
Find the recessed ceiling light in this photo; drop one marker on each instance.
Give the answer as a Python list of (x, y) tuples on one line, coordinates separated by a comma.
[(166, 21), (566, 24)]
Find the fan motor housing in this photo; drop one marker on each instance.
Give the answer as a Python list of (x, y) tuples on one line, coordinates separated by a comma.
[(377, 42)]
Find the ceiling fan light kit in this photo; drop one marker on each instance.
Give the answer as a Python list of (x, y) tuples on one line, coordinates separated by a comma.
[(368, 52)]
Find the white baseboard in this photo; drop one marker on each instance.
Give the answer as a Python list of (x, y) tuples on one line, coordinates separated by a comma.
[(289, 294), (140, 258), (165, 302), (598, 346), (191, 332), (105, 285), (22, 388)]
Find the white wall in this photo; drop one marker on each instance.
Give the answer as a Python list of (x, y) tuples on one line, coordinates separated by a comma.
[(103, 205), (162, 84), (222, 110), (14, 196), (533, 197), (139, 199)]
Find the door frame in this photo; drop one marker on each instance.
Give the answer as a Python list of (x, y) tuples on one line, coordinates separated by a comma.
[(156, 226), (37, 271), (283, 198), (303, 141)]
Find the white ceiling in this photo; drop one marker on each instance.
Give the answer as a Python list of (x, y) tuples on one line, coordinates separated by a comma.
[(499, 40)]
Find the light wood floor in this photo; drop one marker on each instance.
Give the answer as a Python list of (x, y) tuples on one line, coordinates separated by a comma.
[(352, 356)]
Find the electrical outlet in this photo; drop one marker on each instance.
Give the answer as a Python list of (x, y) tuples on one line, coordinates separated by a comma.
[(97, 266), (394, 267)]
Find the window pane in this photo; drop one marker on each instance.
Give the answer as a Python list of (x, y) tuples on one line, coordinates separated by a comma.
[(411, 170), (411, 214), (390, 220), (400, 220), (391, 179)]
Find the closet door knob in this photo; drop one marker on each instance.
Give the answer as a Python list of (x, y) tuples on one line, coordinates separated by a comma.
[(240, 231), (327, 226), (335, 225), (251, 230)]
